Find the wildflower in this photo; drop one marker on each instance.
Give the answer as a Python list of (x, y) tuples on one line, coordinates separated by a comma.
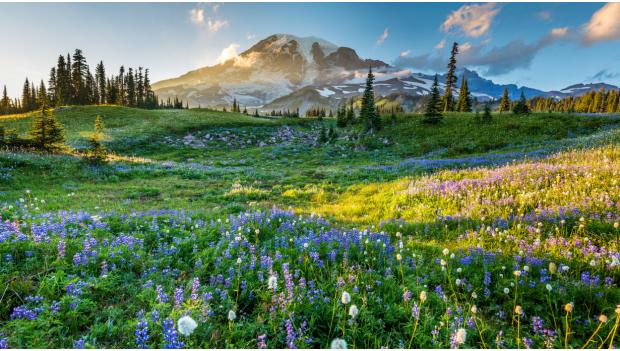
[(262, 344), (506, 290), (517, 273), (170, 336), (617, 309), (142, 334), (407, 295), (592, 263), (526, 268), (549, 287), (232, 315), (186, 325), (443, 262), (78, 344), (602, 318), (527, 342), (474, 309), (616, 225), (568, 307), (422, 296), (446, 252), (518, 310), (459, 338), (272, 283), (338, 344), (474, 295), (353, 311), (552, 267), (346, 298), (459, 270)]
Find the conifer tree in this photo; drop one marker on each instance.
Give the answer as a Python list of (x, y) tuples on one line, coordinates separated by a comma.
[(5, 103), (464, 103), (101, 83), (521, 107), (79, 72), (46, 132), (504, 103), (433, 106), (451, 79), (97, 152), (368, 113), (486, 116)]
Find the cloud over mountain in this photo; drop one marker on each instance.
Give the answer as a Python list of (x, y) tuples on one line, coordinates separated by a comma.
[(471, 20), (604, 25)]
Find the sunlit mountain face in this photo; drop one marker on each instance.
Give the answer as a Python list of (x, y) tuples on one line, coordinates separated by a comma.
[(284, 71)]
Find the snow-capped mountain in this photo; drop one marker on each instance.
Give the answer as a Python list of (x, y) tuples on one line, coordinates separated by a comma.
[(284, 71), (274, 67)]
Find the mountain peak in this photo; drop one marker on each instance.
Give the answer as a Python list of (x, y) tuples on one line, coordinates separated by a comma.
[(283, 42)]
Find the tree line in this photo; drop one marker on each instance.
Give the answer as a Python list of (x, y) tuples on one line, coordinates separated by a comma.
[(71, 82), (600, 101)]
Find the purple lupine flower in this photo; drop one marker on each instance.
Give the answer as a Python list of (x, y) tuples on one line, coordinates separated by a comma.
[(170, 335), (142, 334), (178, 297), (195, 287), (61, 249), (4, 342), (528, 343), (161, 295), (290, 335), (104, 269), (78, 344), (537, 324), (407, 295), (262, 341), (415, 311)]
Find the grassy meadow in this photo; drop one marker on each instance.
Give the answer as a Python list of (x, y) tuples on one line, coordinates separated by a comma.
[(462, 234)]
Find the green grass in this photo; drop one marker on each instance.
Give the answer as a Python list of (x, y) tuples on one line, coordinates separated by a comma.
[(296, 175)]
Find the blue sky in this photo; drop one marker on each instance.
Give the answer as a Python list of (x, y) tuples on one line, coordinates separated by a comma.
[(541, 45)]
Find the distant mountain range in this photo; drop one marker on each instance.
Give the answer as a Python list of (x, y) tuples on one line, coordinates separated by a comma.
[(283, 72)]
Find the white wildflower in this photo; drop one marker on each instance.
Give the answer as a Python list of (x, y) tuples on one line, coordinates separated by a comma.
[(346, 298), (186, 325)]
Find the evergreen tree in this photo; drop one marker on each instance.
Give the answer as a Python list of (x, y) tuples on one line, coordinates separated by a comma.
[(368, 113), (46, 132), (51, 87), (504, 103), (433, 106), (42, 95), (101, 83), (341, 117), (486, 116), (79, 72), (521, 107), (464, 103), (26, 96), (131, 88), (97, 152), (5, 103), (451, 79)]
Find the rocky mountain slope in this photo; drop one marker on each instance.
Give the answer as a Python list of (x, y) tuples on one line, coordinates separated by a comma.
[(284, 72)]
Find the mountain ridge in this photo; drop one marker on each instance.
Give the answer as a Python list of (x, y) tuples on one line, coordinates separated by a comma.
[(281, 71)]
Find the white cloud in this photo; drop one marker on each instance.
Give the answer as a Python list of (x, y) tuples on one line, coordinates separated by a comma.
[(405, 53), (471, 20), (230, 52), (559, 32), (441, 44), (604, 25), (215, 6), (544, 15), (383, 36), (197, 16), (250, 36), (215, 25)]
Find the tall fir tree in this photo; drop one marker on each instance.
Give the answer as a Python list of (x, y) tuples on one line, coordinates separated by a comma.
[(97, 152), (464, 103), (79, 73), (451, 80), (46, 132), (101, 82), (521, 108), (368, 113), (504, 103), (26, 96), (433, 115)]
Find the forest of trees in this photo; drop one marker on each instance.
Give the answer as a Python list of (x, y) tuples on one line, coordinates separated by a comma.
[(71, 82), (600, 101)]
